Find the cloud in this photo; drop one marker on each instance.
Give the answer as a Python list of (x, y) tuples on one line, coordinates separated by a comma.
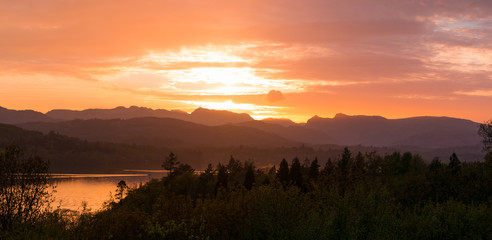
[(164, 48), (275, 96), (479, 93), (425, 97)]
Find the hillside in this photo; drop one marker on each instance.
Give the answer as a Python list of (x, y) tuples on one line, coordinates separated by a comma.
[(166, 132), (199, 115), (205, 127), (8, 116), (429, 132), (115, 113), (71, 155), (292, 132)]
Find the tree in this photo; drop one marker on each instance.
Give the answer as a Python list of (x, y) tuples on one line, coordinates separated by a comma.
[(296, 172), (453, 178), (454, 164), (283, 172), (343, 169), (358, 168), (181, 169), (249, 179), (25, 190), (170, 163), (436, 178), (485, 131), (121, 187), (344, 163), (234, 166), (314, 170), (328, 169), (222, 177), (208, 174)]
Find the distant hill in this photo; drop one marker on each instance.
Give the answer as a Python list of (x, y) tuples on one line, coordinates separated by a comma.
[(161, 132), (428, 132), (292, 132), (115, 113), (200, 115), (13, 116), (217, 127), (217, 117), (68, 154), (71, 155), (280, 121)]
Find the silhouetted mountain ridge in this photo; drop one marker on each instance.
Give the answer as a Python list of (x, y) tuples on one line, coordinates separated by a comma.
[(161, 132), (280, 121), (8, 116), (299, 133), (427, 132), (431, 132), (115, 113), (199, 115)]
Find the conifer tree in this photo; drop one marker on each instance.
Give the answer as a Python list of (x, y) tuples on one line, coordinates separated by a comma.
[(296, 172), (358, 169), (343, 169), (170, 163), (222, 177), (454, 164), (314, 170), (283, 173), (328, 169), (234, 166), (485, 131), (249, 180)]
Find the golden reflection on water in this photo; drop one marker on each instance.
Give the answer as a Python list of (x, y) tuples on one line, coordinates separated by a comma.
[(72, 190)]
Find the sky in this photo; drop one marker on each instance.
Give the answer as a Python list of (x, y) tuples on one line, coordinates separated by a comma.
[(269, 58)]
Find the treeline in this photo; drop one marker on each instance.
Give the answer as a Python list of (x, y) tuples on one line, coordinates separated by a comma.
[(355, 196), (72, 155)]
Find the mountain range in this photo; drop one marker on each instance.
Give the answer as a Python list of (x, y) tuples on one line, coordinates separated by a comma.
[(205, 127)]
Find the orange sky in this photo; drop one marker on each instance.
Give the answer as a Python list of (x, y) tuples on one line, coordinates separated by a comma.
[(286, 58)]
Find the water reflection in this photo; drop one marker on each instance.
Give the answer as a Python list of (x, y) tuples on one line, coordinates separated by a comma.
[(94, 189)]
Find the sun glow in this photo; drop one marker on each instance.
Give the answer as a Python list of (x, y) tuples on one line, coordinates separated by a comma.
[(256, 111), (204, 54), (223, 81)]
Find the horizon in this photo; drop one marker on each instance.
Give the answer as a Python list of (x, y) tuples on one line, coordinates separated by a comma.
[(395, 59), (256, 119)]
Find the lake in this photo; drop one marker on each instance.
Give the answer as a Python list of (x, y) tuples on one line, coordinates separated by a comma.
[(94, 189)]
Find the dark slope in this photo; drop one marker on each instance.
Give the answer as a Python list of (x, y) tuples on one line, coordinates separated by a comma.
[(13, 116), (115, 113), (217, 117), (280, 121), (297, 133), (200, 115), (71, 155), (430, 132), (161, 132)]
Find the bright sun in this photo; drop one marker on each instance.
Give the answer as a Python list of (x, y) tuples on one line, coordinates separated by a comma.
[(212, 70)]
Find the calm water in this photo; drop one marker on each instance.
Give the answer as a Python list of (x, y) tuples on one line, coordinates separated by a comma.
[(94, 189)]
